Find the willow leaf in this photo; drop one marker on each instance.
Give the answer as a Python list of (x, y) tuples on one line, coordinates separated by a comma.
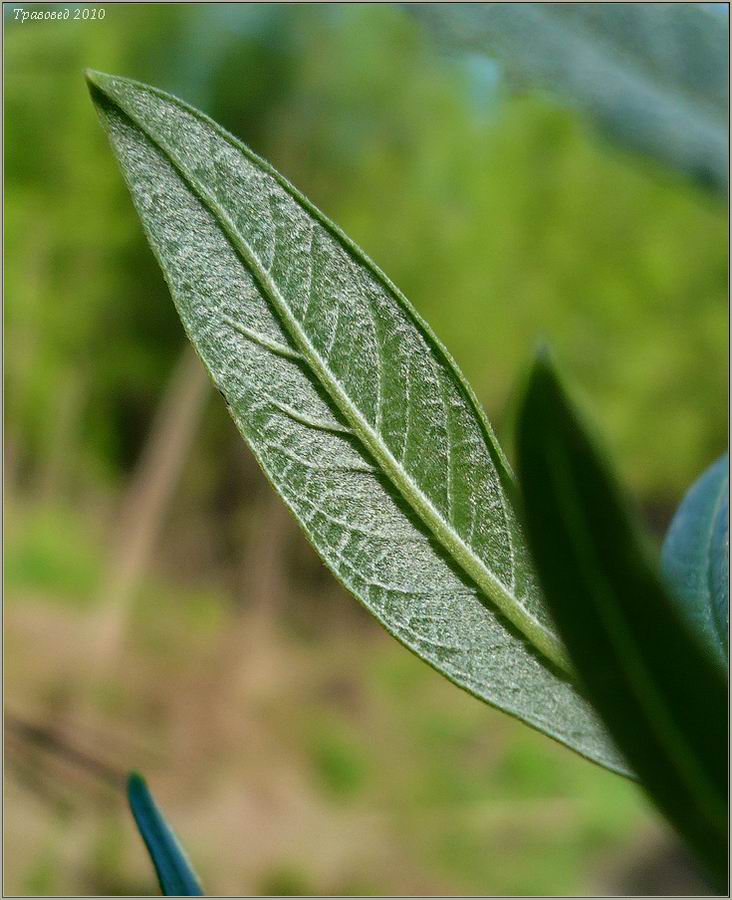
[(356, 413), (661, 694), (174, 871), (695, 557)]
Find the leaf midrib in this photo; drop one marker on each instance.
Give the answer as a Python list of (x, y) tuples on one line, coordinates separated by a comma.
[(545, 641)]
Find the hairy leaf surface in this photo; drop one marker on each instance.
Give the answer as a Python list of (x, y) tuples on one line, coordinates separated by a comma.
[(653, 75), (695, 557), (175, 875), (661, 694), (356, 413)]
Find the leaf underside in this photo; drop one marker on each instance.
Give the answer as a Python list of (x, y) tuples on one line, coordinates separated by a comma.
[(661, 694), (172, 867), (695, 557), (356, 413)]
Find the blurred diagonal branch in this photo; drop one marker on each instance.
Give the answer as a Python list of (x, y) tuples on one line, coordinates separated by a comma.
[(30, 734), (147, 499)]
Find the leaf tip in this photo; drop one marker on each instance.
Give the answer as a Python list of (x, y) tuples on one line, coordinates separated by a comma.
[(100, 84), (93, 77), (135, 781), (137, 790), (543, 357), (542, 374)]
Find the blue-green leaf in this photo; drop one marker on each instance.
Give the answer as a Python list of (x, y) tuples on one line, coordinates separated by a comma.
[(173, 869), (653, 75), (695, 557), (662, 696)]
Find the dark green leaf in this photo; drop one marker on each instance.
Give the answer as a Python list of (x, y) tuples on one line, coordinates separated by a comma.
[(356, 413), (695, 557), (173, 869), (663, 698), (654, 75)]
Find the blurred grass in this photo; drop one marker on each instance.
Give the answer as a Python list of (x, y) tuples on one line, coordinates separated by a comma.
[(442, 790)]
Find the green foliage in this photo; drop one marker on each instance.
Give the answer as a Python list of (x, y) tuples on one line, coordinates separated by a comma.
[(661, 695), (352, 407), (72, 283), (532, 227), (54, 552), (173, 869), (695, 557)]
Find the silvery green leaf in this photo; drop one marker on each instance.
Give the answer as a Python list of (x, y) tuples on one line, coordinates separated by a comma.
[(695, 557), (356, 413), (653, 75)]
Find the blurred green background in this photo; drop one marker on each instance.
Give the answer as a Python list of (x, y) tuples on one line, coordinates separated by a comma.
[(163, 613)]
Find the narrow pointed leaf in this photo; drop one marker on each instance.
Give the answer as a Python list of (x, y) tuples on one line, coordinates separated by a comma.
[(356, 413), (695, 557), (175, 875), (662, 696)]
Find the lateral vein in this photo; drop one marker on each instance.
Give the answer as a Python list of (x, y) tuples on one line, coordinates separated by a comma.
[(545, 641), (263, 341), (310, 421)]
